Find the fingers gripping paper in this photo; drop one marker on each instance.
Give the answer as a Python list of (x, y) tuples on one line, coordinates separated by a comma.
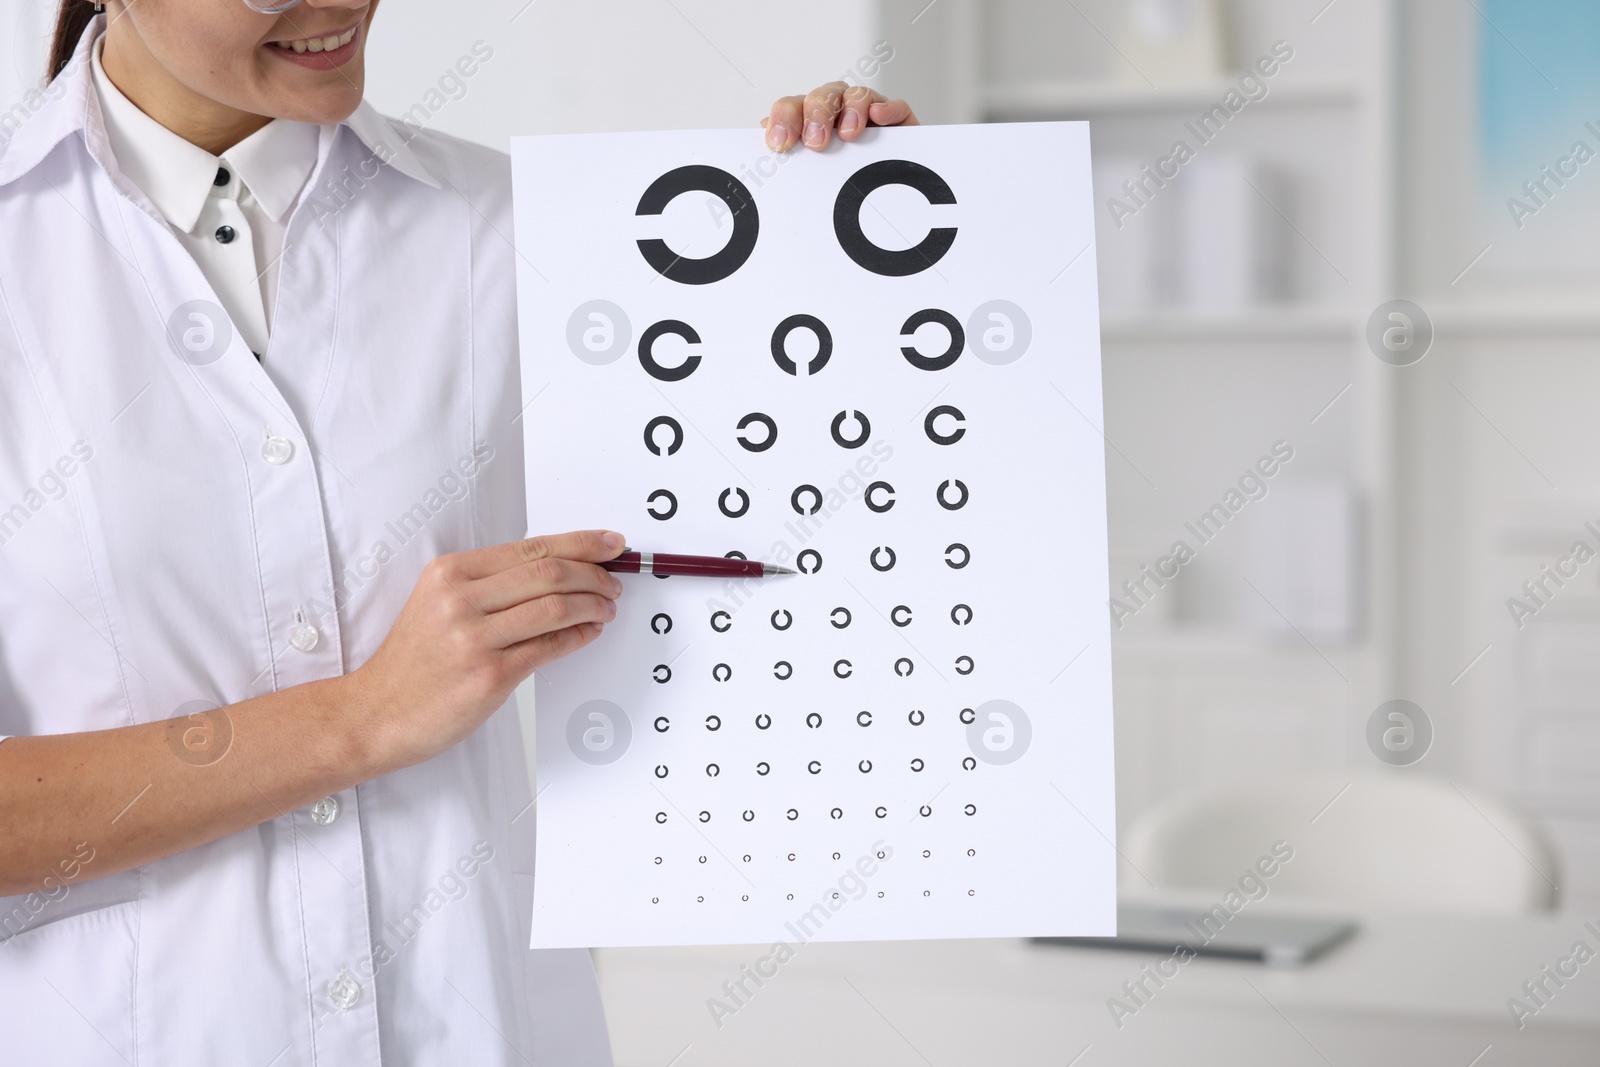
[(879, 365)]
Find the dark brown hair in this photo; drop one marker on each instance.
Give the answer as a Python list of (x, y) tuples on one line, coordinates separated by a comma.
[(71, 21)]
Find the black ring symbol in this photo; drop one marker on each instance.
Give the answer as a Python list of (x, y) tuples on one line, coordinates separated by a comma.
[(833, 617), (853, 196), (783, 670), (925, 811), (650, 435), (661, 673), (882, 566), (894, 615), (672, 504), (722, 503), (662, 724), (647, 356), (713, 723), (735, 554), (780, 341), (865, 766), (814, 767), (800, 491), (836, 813), (966, 555), (971, 809), (945, 438), (916, 718), (961, 501), (863, 718), (969, 665), (732, 192), (726, 626), (661, 770), (917, 765), (969, 764), (838, 425), (814, 720), (763, 721), (961, 614), (788, 619), (749, 816), (661, 817), (712, 770), (968, 716), (880, 811), (758, 446), (958, 339), (888, 501), (792, 815), (800, 561), (659, 617), (763, 769), (721, 672), (909, 667), (842, 663), (705, 816)]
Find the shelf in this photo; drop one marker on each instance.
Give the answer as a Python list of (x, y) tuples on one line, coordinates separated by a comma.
[(1575, 315), (1165, 643), (1283, 323), (1074, 99)]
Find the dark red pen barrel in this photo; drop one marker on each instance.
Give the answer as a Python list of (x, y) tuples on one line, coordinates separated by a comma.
[(689, 566), (707, 566)]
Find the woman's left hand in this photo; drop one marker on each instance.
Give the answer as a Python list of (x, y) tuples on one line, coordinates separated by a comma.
[(811, 120)]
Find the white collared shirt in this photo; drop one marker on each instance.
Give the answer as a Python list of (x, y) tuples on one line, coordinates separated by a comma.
[(229, 210), (180, 523)]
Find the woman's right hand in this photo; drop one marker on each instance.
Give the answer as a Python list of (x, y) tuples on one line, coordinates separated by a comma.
[(478, 623)]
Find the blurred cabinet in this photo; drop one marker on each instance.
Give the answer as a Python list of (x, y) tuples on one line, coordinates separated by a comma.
[(1224, 674)]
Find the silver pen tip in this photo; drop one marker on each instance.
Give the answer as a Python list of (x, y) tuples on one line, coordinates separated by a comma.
[(769, 570)]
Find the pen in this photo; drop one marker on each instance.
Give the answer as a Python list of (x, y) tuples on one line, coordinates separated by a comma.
[(665, 563)]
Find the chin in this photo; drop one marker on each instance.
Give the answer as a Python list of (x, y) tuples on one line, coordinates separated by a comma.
[(325, 108)]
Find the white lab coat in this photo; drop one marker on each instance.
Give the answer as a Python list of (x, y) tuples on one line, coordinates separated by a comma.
[(172, 512)]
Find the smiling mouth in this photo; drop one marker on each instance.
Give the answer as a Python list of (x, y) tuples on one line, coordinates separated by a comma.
[(318, 44)]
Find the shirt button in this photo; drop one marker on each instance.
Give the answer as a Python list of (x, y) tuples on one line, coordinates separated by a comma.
[(222, 178), (344, 991), (225, 234), (325, 811), (304, 636), (277, 450)]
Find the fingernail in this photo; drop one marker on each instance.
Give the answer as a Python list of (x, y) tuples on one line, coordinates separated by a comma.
[(613, 540), (777, 137), (851, 123), (813, 133), (616, 587), (612, 608)]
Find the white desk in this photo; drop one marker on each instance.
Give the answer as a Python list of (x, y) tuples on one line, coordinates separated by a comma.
[(1407, 990)]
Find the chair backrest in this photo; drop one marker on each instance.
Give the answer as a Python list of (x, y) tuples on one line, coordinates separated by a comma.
[(1383, 840)]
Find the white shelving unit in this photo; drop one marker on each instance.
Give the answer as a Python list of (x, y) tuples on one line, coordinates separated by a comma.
[(1193, 397)]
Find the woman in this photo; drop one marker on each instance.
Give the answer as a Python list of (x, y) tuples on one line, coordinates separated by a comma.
[(263, 593)]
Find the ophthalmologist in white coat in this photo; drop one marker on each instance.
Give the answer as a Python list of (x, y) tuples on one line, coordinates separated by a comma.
[(264, 587)]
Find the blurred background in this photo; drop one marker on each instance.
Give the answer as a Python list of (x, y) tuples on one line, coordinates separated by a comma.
[(1375, 251)]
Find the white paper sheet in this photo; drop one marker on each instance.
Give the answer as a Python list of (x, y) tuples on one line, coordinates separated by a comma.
[(949, 777)]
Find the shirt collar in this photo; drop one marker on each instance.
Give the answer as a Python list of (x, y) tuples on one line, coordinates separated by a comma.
[(69, 104)]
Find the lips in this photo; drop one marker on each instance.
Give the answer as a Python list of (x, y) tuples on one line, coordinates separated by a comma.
[(320, 53)]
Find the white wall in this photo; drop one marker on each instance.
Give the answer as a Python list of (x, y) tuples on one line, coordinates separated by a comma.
[(563, 66)]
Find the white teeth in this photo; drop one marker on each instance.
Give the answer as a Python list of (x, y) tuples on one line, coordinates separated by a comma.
[(319, 44)]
